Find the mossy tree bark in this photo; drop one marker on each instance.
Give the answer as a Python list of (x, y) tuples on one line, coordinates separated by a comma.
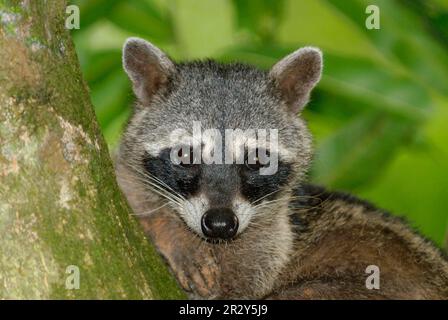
[(59, 203)]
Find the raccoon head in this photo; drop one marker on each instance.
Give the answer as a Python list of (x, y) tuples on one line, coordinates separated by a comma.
[(222, 143)]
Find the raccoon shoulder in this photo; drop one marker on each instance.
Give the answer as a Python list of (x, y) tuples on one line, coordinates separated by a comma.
[(337, 238)]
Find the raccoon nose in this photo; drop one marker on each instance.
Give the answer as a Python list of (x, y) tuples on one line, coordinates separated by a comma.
[(219, 223)]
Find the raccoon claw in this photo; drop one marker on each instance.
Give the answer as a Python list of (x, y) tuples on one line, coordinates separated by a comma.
[(194, 282)]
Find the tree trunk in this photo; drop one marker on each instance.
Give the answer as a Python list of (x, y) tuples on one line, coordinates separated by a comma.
[(60, 206)]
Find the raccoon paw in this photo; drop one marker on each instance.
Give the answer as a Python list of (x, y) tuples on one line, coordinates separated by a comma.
[(190, 258)]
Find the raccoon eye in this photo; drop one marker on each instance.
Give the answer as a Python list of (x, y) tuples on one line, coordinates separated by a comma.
[(186, 158), (255, 163)]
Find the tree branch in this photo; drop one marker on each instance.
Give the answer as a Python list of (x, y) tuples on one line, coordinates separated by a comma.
[(59, 201)]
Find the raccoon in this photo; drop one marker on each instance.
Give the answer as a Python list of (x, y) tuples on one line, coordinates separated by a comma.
[(226, 230)]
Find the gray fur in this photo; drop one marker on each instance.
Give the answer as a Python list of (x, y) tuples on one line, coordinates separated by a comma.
[(221, 97)]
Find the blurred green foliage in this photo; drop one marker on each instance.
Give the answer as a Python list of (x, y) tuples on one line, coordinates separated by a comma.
[(379, 115)]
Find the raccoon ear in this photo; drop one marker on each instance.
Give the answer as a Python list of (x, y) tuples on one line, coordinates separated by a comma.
[(149, 69), (296, 75)]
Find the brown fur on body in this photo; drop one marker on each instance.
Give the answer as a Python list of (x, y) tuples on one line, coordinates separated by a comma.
[(339, 235), (319, 249)]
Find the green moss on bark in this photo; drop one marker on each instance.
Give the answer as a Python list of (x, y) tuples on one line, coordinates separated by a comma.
[(59, 201)]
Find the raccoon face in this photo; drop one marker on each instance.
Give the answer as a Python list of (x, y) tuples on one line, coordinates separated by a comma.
[(221, 143)]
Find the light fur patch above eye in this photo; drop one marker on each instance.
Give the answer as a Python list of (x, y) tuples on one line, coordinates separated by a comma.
[(177, 138)]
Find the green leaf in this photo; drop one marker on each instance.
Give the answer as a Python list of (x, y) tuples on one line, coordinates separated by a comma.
[(111, 97), (434, 15), (373, 87), (142, 18), (98, 65), (113, 131), (93, 10), (404, 41), (363, 83), (356, 154), (260, 17)]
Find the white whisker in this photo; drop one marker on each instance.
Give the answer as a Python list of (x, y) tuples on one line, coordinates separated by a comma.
[(146, 213)]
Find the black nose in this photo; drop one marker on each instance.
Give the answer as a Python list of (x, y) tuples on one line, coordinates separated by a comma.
[(219, 223)]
